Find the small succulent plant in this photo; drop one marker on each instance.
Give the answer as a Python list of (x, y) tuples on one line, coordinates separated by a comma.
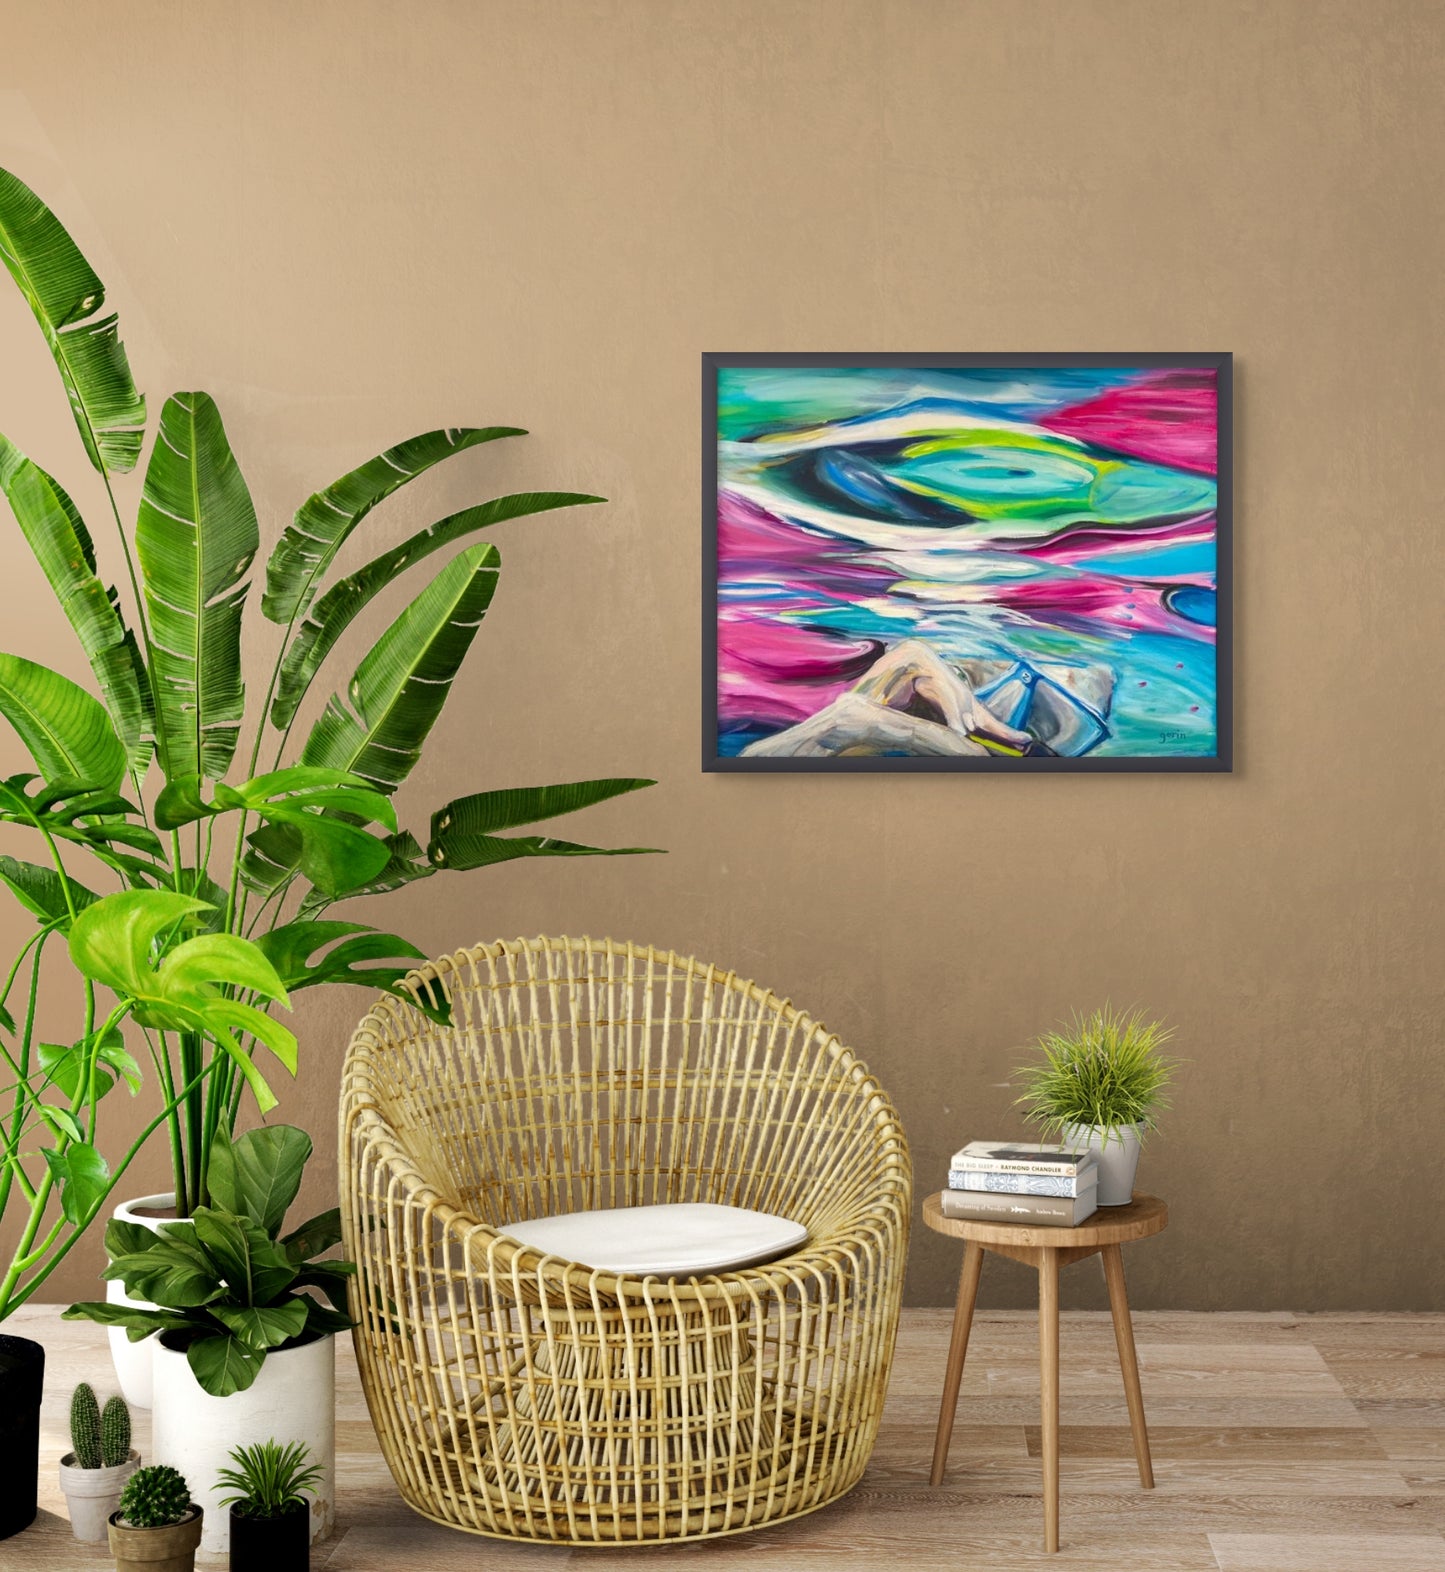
[(268, 1479), (100, 1438), (154, 1497)]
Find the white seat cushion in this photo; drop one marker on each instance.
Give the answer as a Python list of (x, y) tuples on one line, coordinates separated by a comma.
[(688, 1239)]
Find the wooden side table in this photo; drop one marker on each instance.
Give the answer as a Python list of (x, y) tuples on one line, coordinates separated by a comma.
[(1047, 1250)]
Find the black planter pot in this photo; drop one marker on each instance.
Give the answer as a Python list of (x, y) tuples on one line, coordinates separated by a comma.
[(271, 1544), (22, 1374)]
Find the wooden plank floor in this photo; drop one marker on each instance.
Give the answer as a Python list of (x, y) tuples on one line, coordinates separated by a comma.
[(1282, 1443)]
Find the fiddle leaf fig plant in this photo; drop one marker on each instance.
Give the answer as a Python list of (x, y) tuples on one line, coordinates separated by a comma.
[(229, 1287), (228, 827)]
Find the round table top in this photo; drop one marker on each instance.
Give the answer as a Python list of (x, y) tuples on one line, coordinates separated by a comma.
[(1110, 1225)]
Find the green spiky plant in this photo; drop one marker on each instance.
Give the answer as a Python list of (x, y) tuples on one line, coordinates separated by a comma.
[(154, 1497), (99, 1438), (114, 1432), (85, 1426), (269, 1479), (1106, 1070), (262, 857)]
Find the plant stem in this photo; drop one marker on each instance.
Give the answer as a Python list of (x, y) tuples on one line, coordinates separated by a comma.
[(162, 1060), (9, 1299), (192, 1060), (23, 1092), (38, 937)]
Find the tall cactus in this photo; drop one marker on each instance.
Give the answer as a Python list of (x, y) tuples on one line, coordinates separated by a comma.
[(114, 1432), (85, 1426)]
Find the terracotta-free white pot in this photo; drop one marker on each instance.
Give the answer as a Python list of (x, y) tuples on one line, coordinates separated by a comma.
[(132, 1361), (293, 1399), (92, 1494), (1118, 1153)]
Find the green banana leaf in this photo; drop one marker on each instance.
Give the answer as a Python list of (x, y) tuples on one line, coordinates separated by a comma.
[(41, 893), (62, 545), (398, 690), (93, 819), (486, 812), (333, 613), (67, 298), (463, 831), (66, 729), (324, 521), (196, 536), (463, 852)]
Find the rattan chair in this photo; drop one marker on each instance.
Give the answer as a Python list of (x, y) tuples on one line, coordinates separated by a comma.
[(527, 1397)]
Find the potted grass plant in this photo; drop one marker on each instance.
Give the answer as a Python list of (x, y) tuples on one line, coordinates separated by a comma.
[(1099, 1084), (244, 1345), (270, 1513), (165, 779), (100, 1461), (157, 1526)]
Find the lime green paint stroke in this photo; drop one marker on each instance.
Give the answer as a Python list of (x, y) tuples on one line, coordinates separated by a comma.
[(1002, 437)]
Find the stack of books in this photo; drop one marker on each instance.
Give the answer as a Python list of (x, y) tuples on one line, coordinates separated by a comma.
[(1012, 1182)]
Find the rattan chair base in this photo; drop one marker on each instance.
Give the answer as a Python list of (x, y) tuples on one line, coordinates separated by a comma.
[(720, 1524)]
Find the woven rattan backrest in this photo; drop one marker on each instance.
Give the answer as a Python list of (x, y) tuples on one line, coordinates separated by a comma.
[(582, 1073)]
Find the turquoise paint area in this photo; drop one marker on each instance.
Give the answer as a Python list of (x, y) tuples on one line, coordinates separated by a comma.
[(1154, 562)]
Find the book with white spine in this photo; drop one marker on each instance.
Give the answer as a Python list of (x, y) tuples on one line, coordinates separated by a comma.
[(1032, 1211), (1020, 1157), (1067, 1185)]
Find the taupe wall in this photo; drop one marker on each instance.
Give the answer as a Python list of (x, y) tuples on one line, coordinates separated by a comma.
[(353, 222)]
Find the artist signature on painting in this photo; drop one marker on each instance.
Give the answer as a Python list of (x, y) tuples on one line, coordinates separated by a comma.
[(1171, 736)]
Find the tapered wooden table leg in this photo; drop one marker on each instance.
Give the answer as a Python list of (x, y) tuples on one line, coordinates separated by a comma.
[(1128, 1360), (957, 1348), (1049, 1390), (1047, 1248)]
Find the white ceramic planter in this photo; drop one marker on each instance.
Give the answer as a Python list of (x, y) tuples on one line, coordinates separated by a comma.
[(1118, 1157), (132, 1361), (293, 1399), (92, 1494)]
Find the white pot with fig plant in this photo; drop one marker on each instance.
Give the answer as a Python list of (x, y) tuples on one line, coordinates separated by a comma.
[(94, 1472), (243, 1348), (1099, 1084), (132, 1361)]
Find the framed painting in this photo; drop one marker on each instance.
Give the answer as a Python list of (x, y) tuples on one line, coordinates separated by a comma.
[(966, 562)]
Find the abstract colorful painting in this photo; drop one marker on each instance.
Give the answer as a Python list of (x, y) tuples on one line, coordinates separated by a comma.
[(967, 562)]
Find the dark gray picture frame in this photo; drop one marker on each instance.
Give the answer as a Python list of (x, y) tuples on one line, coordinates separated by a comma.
[(1222, 760)]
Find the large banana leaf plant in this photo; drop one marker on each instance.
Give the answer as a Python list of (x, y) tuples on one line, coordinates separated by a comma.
[(163, 777)]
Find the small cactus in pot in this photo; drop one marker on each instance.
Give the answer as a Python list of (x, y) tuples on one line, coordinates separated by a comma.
[(157, 1526), (85, 1426), (94, 1472), (155, 1497)]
